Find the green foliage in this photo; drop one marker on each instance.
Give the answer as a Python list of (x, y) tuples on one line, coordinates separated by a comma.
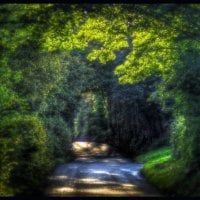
[(163, 153), (82, 117), (161, 170), (168, 175), (30, 83), (25, 149), (98, 123), (90, 121), (59, 138), (81, 26)]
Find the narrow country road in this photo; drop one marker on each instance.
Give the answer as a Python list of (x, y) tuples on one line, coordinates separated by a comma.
[(98, 171)]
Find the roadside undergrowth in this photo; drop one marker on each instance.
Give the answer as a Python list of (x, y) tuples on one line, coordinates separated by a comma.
[(168, 175)]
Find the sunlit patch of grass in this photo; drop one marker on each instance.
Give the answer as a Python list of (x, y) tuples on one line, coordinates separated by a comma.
[(161, 170), (152, 156)]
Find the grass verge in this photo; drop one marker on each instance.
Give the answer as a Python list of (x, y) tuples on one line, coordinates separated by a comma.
[(163, 172)]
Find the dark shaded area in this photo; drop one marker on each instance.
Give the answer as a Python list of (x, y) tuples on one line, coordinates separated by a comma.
[(135, 121)]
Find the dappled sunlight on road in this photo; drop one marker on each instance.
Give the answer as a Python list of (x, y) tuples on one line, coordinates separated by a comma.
[(102, 191), (96, 173), (96, 187), (90, 149)]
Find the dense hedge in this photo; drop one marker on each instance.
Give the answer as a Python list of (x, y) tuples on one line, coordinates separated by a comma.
[(24, 155)]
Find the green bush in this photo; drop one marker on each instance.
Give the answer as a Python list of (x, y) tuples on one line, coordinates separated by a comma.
[(25, 155), (59, 138)]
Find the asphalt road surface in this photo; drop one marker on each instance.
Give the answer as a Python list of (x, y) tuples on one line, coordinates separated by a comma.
[(98, 171)]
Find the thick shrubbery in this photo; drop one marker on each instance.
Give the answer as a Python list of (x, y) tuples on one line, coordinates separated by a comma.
[(58, 134), (36, 120), (25, 154)]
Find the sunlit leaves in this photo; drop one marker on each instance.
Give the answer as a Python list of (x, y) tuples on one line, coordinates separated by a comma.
[(7, 97), (78, 29), (61, 30), (105, 32), (153, 54)]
